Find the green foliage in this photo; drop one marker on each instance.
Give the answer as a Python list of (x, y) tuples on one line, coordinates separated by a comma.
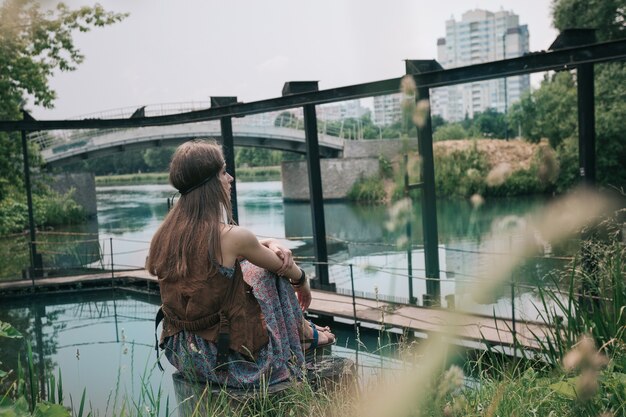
[(49, 208), (254, 174), (35, 42), (158, 159), (610, 116), (257, 157), (22, 399), (368, 190), (128, 179), (452, 131), (594, 301), (567, 154), (6, 330), (385, 167), (38, 41), (606, 16), (460, 173), (520, 182), (549, 112), (489, 124)]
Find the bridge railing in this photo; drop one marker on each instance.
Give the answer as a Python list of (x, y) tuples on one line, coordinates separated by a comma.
[(63, 140)]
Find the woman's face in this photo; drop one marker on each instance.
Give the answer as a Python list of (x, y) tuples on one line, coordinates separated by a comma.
[(225, 178)]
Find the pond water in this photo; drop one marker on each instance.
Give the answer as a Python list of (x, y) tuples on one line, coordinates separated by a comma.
[(102, 341), (471, 240)]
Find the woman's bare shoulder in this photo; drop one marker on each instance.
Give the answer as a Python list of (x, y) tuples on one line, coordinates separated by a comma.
[(237, 235)]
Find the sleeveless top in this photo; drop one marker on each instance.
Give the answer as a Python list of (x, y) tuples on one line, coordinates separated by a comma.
[(206, 305)]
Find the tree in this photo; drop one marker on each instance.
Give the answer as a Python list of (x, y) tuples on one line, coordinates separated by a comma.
[(489, 123), (34, 42), (158, 159), (549, 112), (450, 131), (552, 112), (608, 17)]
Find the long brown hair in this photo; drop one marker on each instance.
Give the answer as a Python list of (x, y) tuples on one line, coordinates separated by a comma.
[(190, 234)]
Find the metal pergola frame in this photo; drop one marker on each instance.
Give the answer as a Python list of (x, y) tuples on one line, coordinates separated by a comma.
[(573, 49)]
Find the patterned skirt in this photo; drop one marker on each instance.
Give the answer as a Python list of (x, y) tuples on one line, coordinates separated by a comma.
[(281, 359)]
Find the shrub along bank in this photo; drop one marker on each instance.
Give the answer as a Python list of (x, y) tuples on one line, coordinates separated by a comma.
[(478, 166), (49, 209)]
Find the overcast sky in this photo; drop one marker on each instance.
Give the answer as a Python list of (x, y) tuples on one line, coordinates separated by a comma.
[(169, 51)]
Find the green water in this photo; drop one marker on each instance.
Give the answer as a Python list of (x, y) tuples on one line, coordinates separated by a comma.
[(471, 242), (103, 341)]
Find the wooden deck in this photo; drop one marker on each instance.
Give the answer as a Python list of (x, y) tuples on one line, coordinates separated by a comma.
[(464, 328)]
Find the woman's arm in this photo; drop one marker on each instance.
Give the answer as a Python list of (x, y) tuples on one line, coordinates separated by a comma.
[(240, 242), (281, 251)]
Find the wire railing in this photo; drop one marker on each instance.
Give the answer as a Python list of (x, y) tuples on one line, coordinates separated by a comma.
[(69, 253)]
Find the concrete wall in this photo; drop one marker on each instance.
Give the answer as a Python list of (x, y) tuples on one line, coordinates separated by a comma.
[(338, 176), (360, 160), (84, 184), (389, 148)]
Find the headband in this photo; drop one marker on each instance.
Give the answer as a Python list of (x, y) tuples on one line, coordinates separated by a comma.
[(193, 187)]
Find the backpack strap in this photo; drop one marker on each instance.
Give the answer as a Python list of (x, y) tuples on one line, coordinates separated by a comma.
[(223, 339), (158, 319)]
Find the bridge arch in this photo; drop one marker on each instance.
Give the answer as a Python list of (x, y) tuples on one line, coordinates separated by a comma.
[(95, 143)]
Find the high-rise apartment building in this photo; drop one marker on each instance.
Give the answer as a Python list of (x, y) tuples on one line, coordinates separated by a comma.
[(480, 36), (342, 110), (387, 109)]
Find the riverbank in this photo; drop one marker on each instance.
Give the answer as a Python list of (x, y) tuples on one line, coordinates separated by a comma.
[(244, 174), (468, 167)]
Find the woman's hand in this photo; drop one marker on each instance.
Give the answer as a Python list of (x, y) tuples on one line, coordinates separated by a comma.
[(303, 293), (282, 252)]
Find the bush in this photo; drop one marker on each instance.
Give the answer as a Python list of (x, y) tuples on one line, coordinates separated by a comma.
[(13, 216), (567, 154), (49, 208), (368, 190), (385, 167), (460, 173), (520, 182), (450, 131)]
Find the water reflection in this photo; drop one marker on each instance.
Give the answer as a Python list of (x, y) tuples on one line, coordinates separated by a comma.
[(103, 341), (100, 340), (471, 240)]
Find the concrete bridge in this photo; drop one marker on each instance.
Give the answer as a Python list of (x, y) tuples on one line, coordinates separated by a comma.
[(264, 131)]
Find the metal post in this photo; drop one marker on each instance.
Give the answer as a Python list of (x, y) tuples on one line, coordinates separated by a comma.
[(513, 330), (587, 164), (35, 259), (429, 203), (315, 192), (356, 324), (112, 269), (586, 124), (226, 126), (409, 237), (315, 179), (40, 311), (506, 94)]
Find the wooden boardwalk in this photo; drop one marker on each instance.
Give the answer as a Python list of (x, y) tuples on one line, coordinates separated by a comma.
[(465, 328)]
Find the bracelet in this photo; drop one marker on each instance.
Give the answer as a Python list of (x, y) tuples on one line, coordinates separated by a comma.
[(301, 281)]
